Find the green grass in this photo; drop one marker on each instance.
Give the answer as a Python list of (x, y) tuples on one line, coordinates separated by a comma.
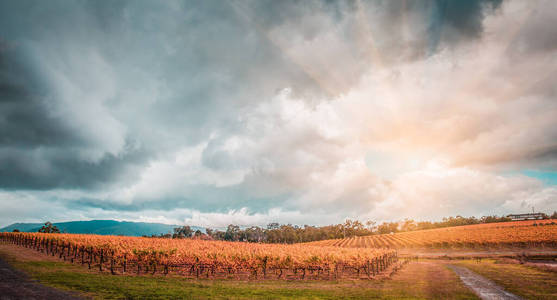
[(418, 281), (525, 281)]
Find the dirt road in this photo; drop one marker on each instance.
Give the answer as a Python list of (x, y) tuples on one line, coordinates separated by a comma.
[(16, 285), (483, 287)]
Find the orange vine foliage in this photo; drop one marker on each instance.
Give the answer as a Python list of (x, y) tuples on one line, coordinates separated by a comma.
[(236, 255), (507, 234)]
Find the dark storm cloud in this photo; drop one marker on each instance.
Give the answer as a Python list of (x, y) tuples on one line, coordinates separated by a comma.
[(196, 51), (23, 122), (434, 24), (20, 169), (462, 18)]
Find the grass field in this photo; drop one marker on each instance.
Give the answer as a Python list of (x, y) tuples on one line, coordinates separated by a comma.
[(422, 280)]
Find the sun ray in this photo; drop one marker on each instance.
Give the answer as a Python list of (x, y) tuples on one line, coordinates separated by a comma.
[(366, 38), (325, 80)]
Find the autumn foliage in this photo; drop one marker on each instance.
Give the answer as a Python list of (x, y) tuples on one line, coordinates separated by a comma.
[(539, 233), (211, 259)]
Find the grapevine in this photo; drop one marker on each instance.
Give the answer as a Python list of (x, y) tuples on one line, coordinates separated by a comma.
[(208, 259)]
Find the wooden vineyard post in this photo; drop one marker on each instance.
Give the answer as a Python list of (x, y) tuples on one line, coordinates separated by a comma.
[(197, 267), (101, 260), (90, 257), (112, 263), (124, 263), (368, 270), (265, 259)]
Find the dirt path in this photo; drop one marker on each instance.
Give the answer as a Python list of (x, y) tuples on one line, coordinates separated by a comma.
[(483, 287), (25, 254), (16, 285)]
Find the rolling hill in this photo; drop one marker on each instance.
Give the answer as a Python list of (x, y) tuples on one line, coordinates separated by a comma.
[(102, 227), (539, 233)]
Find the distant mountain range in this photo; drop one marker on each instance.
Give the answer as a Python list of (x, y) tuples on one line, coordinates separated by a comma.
[(103, 227)]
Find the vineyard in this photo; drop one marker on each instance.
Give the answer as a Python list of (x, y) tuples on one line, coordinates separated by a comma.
[(208, 259), (541, 233)]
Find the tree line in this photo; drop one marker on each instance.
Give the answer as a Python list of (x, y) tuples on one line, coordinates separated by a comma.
[(288, 233)]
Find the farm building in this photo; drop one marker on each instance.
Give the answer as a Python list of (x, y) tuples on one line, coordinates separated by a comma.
[(529, 216)]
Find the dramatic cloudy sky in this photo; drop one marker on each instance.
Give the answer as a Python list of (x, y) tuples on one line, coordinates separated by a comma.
[(248, 112)]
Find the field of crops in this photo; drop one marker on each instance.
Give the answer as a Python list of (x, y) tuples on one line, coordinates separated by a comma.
[(210, 259), (522, 234)]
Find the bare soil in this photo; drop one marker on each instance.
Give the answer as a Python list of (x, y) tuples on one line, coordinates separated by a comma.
[(26, 254)]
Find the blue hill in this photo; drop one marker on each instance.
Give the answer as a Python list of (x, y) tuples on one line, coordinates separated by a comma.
[(102, 227)]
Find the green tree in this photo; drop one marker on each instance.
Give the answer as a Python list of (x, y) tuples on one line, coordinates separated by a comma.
[(387, 227), (182, 232), (232, 233), (49, 228)]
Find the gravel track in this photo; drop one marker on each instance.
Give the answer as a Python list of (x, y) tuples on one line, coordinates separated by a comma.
[(483, 287), (16, 285)]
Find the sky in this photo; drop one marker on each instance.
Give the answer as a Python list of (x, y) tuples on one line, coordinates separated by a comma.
[(210, 112)]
